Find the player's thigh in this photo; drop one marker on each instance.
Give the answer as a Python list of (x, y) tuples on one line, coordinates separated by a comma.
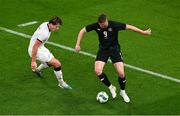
[(54, 62), (99, 65), (119, 66), (44, 55)]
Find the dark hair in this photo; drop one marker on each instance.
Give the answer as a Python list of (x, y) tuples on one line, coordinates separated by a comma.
[(55, 20), (102, 18)]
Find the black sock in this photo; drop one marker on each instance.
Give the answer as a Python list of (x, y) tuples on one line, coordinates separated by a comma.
[(122, 82), (104, 79), (57, 69)]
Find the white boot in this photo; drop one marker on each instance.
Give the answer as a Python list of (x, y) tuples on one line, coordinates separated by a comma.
[(64, 85), (124, 96), (113, 91)]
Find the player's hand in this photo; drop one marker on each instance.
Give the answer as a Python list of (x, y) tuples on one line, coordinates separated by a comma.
[(77, 48), (147, 32), (33, 66)]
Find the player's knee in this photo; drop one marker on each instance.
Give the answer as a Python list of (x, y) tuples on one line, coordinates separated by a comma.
[(57, 64), (98, 72), (122, 75)]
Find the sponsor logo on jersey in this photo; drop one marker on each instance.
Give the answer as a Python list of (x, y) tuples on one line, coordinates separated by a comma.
[(109, 29), (98, 29)]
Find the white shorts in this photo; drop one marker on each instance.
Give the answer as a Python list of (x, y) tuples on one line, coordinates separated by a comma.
[(43, 55)]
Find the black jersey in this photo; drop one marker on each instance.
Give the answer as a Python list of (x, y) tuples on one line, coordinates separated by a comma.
[(108, 37)]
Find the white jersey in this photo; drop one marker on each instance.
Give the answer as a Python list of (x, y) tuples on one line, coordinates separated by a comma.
[(42, 33)]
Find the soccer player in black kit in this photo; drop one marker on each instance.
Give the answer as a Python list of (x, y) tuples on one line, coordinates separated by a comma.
[(109, 47)]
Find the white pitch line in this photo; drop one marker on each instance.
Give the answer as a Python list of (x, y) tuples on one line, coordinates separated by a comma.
[(27, 24), (93, 56)]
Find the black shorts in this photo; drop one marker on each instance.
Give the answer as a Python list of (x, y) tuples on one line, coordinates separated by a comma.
[(115, 55)]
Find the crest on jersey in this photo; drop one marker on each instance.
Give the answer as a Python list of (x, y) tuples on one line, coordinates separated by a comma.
[(109, 29)]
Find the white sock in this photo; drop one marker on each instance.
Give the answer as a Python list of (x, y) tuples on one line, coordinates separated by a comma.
[(42, 66), (123, 92), (59, 75), (110, 86)]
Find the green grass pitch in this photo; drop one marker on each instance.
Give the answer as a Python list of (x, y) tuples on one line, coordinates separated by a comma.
[(22, 92)]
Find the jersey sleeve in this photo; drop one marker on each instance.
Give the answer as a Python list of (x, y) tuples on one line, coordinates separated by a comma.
[(120, 26), (42, 36), (91, 27)]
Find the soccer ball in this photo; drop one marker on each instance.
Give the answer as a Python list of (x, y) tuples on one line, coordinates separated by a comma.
[(102, 97)]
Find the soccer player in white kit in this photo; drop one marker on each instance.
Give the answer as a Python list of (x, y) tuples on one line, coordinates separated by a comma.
[(38, 51)]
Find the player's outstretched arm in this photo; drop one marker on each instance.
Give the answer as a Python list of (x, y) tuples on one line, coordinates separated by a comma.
[(135, 29), (79, 38), (34, 52)]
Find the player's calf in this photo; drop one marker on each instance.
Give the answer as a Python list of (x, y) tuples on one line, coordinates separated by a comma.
[(58, 73), (122, 83), (104, 79)]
